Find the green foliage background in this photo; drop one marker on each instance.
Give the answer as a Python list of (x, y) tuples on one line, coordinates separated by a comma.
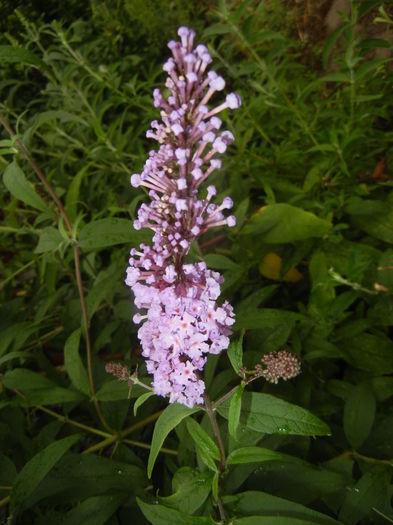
[(309, 267)]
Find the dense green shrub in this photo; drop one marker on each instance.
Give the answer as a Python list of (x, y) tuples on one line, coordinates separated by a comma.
[(309, 267)]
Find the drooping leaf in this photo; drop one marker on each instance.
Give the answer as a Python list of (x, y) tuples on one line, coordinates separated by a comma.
[(234, 411), (168, 420), (17, 184), (141, 399), (235, 353), (74, 365), (50, 239), (72, 197), (193, 488), (206, 447)]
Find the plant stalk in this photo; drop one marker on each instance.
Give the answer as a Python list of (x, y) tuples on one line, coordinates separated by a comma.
[(220, 444), (78, 273)]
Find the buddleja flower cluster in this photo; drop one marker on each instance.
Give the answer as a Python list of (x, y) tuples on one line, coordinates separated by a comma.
[(182, 321)]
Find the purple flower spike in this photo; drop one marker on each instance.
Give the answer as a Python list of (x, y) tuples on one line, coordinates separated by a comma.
[(182, 322)]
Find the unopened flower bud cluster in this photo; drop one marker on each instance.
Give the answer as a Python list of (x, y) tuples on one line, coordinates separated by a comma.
[(280, 365), (182, 321)]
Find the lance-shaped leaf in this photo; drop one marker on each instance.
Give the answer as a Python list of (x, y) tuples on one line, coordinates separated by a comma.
[(168, 420), (271, 415), (36, 470)]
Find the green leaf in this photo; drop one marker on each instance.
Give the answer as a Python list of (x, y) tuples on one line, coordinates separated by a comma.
[(372, 353), (50, 239), (193, 488), (14, 355), (271, 415), (16, 335), (160, 515), (38, 390), (113, 390), (220, 262), (263, 504), (359, 414), (108, 232), (373, 217), (141, 399), (272, 520), (258, 454), (81, 476), (20, 55), (35, 471), (103, 289), (7, 470), (283, 223), (217, 29), (234, 411), (215, 481), (258, 318), (168, 420), (330, 43), (72, 197), (206, 447), (370, 491), (235, 353), (15, 181), (92, 511), (370, 65), (74, 365)]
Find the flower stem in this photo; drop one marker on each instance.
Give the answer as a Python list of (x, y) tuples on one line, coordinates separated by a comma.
[(220, 444)]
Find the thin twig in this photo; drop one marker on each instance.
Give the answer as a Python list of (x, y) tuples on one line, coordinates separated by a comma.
[(212, 242), (73, 422), (217, 435), (230, 393), (121, 435), (4, 501), (78, 274), (148, 447), (352, 454)]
